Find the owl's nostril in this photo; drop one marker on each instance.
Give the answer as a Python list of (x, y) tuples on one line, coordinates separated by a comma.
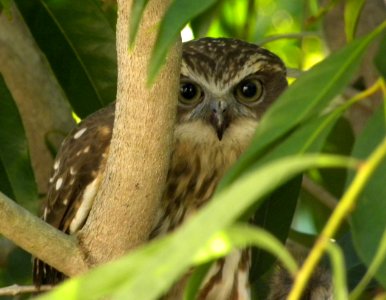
[(219, 106)]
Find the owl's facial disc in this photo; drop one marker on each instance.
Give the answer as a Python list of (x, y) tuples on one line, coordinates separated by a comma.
[(219, 117)]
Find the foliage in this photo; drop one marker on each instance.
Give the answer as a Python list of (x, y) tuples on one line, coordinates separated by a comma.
[(295, 136)]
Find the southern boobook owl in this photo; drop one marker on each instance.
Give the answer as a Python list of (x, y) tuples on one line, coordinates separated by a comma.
[(226, 86)]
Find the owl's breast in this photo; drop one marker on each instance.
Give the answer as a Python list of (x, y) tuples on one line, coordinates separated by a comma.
[(199, 161)]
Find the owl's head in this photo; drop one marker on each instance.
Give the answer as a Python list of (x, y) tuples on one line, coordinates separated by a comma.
[(225, 80)]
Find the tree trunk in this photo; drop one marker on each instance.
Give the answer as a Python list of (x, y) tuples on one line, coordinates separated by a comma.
[(138, 160)]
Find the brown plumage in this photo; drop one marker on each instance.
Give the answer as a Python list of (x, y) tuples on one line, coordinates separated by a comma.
[(226, 86)]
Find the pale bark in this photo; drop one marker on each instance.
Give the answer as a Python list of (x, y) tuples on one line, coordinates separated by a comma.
[(43, 107), (40, 239), (126, 204)]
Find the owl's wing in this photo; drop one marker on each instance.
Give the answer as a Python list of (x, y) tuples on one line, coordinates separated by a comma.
[(76, 177)]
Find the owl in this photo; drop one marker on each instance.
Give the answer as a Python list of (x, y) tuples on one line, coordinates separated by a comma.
[(226, 85)]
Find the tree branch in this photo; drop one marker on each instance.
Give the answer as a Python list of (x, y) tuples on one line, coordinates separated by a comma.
[(125, 206), (319, 193), (39, 238), (16, 289)]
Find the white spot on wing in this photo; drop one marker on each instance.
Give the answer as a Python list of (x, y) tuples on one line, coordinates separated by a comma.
[(56, 164), (87, 149), (58, 183), (79, 133), (72, 171), (45, 213), (85, 207)]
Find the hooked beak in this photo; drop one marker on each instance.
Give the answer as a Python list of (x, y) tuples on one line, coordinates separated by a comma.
[(219, 117)]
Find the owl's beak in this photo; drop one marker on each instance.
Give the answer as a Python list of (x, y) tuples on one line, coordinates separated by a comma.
[(219, 117)]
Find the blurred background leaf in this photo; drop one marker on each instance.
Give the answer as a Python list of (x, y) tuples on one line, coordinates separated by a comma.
[(78, 39), (368, 219), (19, 180)]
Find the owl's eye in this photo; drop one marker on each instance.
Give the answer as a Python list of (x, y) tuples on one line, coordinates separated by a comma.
[(249, 91), (190, 93)]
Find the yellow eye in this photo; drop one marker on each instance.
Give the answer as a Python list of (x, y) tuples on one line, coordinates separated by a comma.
[(190, 93), (249, 91)]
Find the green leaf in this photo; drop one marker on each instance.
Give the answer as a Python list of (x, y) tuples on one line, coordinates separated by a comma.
[(5, 185), (241, 236), (378, 259), (276, 220), (177, 16), (137, 10), (5, 6), (149, 271), (299, 104), (340, 142), (79, 42), (246, 235), (380, 58), (14, 155), (201, 23), (338, 268), (195, 281), (368, 218), (355, 269), (352, 12)]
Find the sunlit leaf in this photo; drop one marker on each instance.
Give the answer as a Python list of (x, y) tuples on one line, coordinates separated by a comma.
[(178, 15), (148, 272), (14, 154)]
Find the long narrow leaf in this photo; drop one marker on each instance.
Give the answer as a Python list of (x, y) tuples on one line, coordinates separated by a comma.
[(338, 268), (177, 16), (148, 272), (79, 42), (137, 10), (368, 218), (352, 12)]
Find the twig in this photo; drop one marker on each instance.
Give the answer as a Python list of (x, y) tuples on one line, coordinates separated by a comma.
[(40, 239), (274, 38), (16, 289), (319, 192)]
